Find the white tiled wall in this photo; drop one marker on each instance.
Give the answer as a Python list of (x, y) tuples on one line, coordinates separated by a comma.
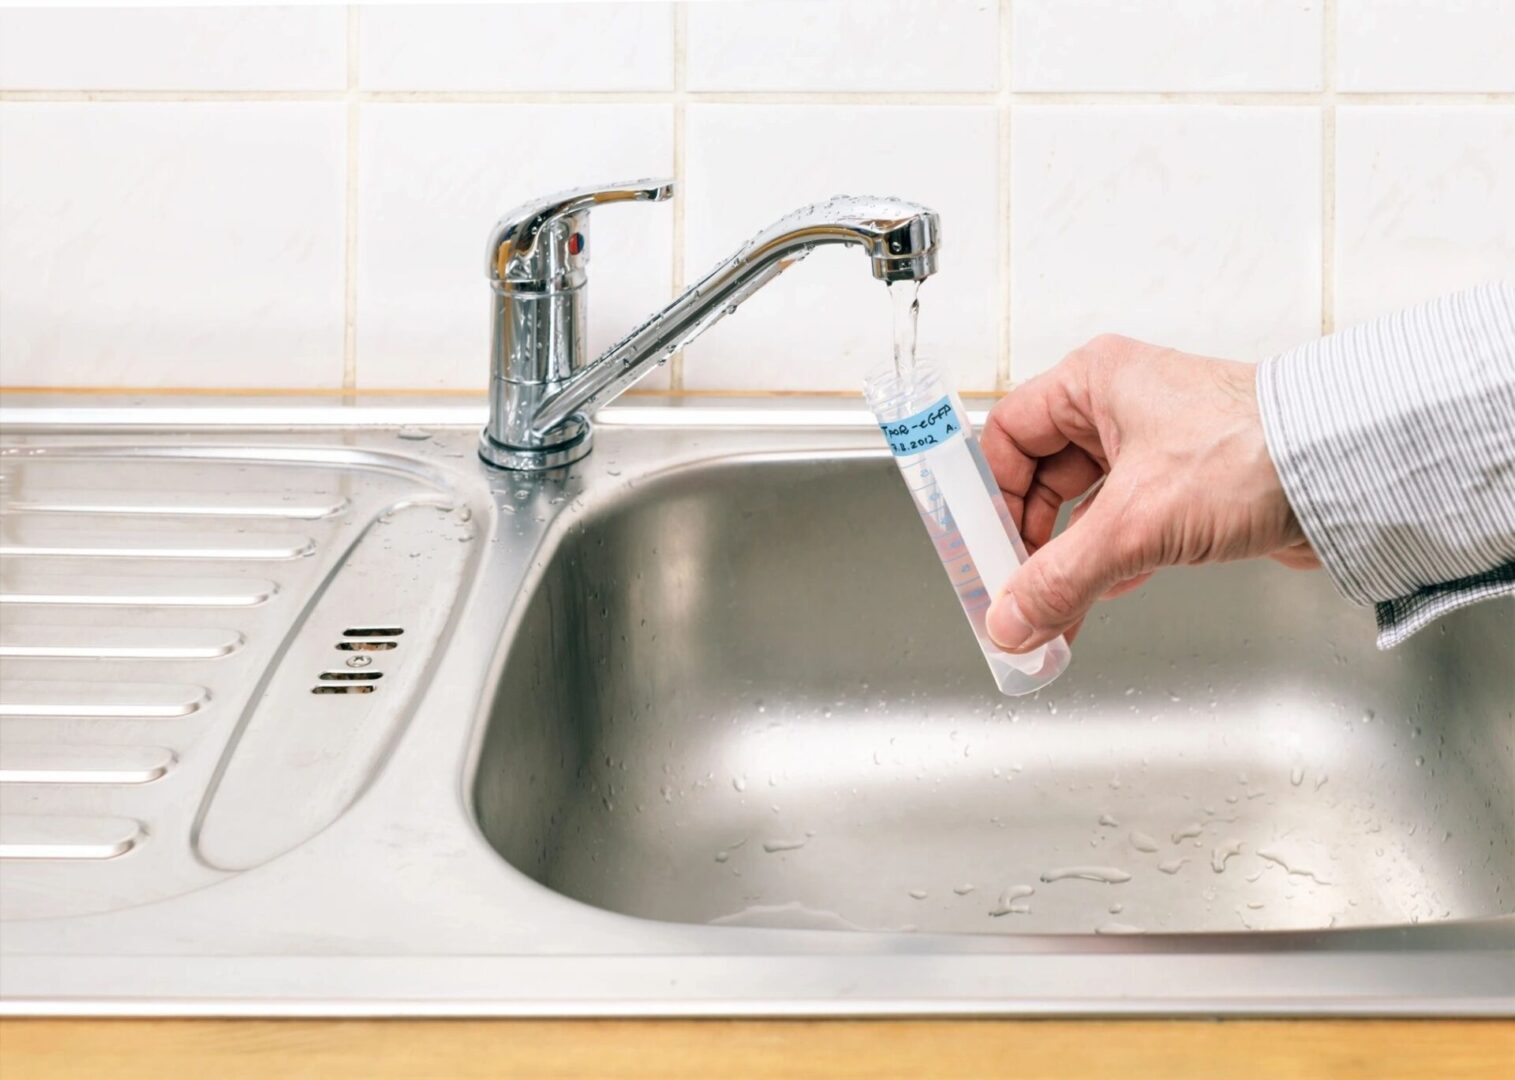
[(1166, 45), (1433, 201), (1197, 226), (297, 197)]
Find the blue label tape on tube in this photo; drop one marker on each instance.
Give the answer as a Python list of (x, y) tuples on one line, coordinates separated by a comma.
[(932, 426)]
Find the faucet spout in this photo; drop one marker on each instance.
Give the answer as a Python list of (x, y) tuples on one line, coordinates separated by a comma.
[(900, 238)]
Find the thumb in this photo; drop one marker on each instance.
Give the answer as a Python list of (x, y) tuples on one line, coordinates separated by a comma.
[(1055, 588)]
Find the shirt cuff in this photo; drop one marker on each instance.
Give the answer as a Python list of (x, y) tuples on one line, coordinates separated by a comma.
[(1398, 619), (1395, 445)]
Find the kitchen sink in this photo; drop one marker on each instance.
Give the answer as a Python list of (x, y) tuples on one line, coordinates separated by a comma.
[(304, 710), (742, 693)]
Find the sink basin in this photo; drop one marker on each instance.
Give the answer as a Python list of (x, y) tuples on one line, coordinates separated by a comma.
[(693, 728), (742, 693)]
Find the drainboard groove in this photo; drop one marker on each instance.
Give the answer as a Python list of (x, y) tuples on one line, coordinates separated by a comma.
[(27, 763), (103, 700), (36, 837), (53, 590), (117, 643), (207, 548)]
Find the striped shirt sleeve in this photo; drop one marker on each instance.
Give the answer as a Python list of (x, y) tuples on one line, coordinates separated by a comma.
[(1395, 442)]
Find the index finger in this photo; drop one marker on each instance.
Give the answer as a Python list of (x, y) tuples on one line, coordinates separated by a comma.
[(1037, 420)]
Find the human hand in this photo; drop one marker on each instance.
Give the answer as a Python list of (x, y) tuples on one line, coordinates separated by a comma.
[(1175, 446)]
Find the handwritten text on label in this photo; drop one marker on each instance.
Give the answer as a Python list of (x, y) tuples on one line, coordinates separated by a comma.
[(919, 432)]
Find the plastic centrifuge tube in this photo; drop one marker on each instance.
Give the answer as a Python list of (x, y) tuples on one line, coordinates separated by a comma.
[(938, 455)]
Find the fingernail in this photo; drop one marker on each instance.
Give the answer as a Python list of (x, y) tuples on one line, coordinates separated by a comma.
[(1007, 626)]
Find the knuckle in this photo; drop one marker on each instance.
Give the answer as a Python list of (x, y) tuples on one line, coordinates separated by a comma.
[(1107, 345), (1102, 358)]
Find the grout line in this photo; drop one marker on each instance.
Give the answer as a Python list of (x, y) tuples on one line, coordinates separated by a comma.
[(520, 97), (350, 213), (77, 96), (473, 393), (807, 97), (1328, 169), (1002, 135), (680, 198)]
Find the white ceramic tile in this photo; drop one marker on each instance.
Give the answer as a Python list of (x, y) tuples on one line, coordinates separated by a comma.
[(1157, 45), (826, 322), (1425, 204), (169, 244), (1448, 45), (840, 45), (517, 47), (176, 48), (1191, 226), (433, 179)]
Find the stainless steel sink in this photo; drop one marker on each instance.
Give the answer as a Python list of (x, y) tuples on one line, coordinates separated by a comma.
[(693, 728), (741, 693)]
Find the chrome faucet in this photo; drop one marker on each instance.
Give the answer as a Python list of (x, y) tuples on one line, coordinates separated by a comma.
[(542, 393)]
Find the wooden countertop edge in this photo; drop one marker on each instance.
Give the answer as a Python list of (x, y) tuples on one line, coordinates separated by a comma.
[(43, 1049)]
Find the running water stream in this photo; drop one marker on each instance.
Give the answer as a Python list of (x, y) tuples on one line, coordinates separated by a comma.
[(905, 296)]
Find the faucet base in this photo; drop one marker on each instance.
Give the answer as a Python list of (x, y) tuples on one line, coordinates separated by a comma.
[(523, 459)]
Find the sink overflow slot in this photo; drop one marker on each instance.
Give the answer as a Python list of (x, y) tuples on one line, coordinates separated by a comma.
[(370, 639)]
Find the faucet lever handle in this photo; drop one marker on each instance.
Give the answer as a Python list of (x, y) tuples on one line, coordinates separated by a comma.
[(516, 252)]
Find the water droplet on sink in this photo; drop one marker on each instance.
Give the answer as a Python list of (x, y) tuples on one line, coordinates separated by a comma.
[(1011, 909), (413, 433), (1108, 821), (1007, 901), (1171, 866), (739, 783), (1189, 831), (774, 846), (1290, 866), (1109, 875), (1220, 855), (962, 890), (1297, 775), (1116, 908), (1118, 928), (1142, 842), (918, 894)]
